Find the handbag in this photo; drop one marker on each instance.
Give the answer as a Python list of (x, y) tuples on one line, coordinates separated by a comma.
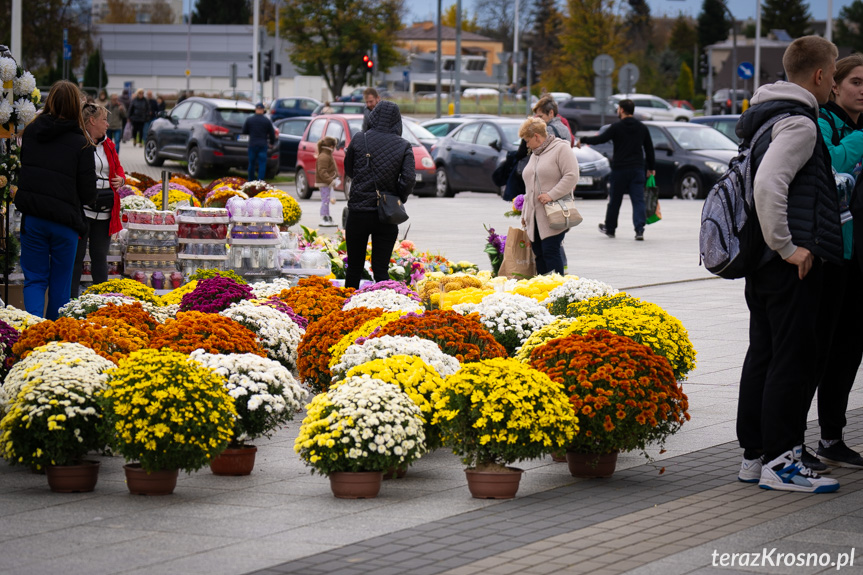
[(390, 208), (651, 201), (562, 214)]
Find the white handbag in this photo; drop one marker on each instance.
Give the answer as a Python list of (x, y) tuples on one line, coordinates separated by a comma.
[(562, 214)]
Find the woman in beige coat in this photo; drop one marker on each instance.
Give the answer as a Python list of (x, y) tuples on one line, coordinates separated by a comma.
[(550, 175)]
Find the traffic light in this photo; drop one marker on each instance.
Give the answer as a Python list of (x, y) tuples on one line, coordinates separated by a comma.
[(368, 63), (267, 65), (702, 65)]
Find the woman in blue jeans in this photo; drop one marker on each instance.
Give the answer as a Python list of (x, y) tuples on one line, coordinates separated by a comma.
[(58, 176)]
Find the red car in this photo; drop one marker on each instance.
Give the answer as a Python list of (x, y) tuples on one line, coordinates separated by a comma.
[(343, 127)]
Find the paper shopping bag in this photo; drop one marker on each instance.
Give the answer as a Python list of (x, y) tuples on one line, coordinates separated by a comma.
[(518, 262)]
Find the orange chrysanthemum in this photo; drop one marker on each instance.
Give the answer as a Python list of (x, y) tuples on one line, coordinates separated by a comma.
[(213, 333), (133, 314), (111, 338), (315, 297)]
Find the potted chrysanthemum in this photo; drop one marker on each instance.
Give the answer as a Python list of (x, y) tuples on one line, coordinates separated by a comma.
[(277, 333), (265, 396), (510, 318), (497, 411), (355, 431), (166, 412), (52, 417)]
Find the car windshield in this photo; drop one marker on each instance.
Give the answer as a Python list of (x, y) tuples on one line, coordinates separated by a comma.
[(696, 138), (510, 133), (234, 115), (419, 131)]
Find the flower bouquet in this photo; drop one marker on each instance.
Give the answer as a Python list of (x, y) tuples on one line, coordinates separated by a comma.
[(387, 346), (575, 290), (495, 412), (253, 188), (125, 286), (362, 426), (509, 317), (136, 202), (155, 191), (214, 295), (20, 108), (213, 333), (54, 419), (494, 247), (277, 334), (264, 290), (190, 184), (231, 181), (219, 196), (18, 318), (189, 416), (360, 334), (110, 338), (517, 207), (176, 199), (626, 396)]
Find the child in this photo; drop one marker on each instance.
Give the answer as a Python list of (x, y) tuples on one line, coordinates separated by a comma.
[(325, 174)]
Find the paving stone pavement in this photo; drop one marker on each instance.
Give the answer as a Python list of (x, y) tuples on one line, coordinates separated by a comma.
[(282, 519)]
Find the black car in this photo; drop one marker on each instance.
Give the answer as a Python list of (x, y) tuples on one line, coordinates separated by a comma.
[(466, 159), (726, 124), (583, 113), (292, 107), (291, 131), (205, 133), (689, 158), (441, 127)]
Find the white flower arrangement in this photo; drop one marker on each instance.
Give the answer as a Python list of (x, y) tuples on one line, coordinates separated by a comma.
[(573, 290), (26, 111), (386, 299), (56, 365), (5, 111), (83, 306), (162, 313), (265, 392), (510, 318), (390, 345), (137, 203), (263, 290), (256, 184), (24, 84), (277, 332), (18, 318), (8, 69)]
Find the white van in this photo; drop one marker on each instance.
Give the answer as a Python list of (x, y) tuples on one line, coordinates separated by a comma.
[(655, 108)]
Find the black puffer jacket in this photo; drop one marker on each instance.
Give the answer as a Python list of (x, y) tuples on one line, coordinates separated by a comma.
[(392, 160), (58, 173), (813, 203)]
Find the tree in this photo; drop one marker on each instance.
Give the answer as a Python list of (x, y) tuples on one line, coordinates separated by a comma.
[(120, 12), (496, 19), (91, 72), (789, 15), (713, 25), (544, 38), (161, 12), (222, 12), (638, 25), (468, 24), (685, 85), (849, 25), (330, 38), (683, 40)]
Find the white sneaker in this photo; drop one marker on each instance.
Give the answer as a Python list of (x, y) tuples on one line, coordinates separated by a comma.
[(787, 473), (750, 470)]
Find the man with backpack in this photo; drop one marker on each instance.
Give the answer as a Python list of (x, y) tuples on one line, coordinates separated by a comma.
[(797, 211)]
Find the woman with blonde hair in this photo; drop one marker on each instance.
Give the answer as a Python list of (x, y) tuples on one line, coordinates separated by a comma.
[(550, 174), (57, 178)]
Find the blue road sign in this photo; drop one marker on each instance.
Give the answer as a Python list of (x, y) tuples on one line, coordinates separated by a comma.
[(67, 51), (746, 70)]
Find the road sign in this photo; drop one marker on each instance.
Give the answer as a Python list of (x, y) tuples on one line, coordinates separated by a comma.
[(603, 65), (67, 51), (746, 70), (188, 72), (626, 78), (602, 88)]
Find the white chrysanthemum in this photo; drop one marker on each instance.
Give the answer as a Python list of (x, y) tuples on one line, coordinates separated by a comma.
[(137, 203), (278, 333), (263, 290), (18, 318), (83, 306), (388, 346), (26, 111), (5, 111), (579, 290), (511, 318), (24, 85), (162, 313), (8, 69), (386, 299)]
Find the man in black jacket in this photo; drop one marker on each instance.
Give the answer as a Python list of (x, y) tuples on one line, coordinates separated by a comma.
[(628, 175), (261, 132)]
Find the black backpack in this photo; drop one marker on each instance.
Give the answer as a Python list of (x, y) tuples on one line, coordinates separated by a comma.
[(731, 243)]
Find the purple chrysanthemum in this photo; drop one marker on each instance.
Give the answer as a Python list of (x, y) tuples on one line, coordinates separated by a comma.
[(157, 189), (518, 203), (276, 303), (214, 295)]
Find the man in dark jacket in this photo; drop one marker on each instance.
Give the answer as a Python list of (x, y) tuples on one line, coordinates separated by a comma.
[(798, 214), (261, 133), (372, 99), (632, 144), (378, 159)]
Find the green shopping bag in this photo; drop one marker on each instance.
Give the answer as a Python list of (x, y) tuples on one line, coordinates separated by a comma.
[(651, 200)]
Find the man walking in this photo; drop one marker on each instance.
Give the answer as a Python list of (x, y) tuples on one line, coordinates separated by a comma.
[(260, 130), (370, 95), (798, 212), (632, 144)]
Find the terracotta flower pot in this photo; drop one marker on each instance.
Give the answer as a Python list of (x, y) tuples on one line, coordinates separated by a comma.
[(356, 484), (591, 465), (140, 482), (79, 478), (493, 484), (235, 461)]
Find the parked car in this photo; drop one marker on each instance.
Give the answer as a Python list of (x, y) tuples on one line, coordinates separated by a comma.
[(467, 158), (425, 137), (583, 113), (343, 127), (342, 108), (291, 131), (721, 101), (354, 96), (291, 107), (480, 92), (689, 157), (726, 124), (682, 104), (655, 108), (560, 96), (206, 134), (442, 126)]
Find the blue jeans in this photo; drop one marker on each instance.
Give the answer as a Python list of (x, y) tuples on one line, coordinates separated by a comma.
[(257, 158), (548, 253), (47, 257), (145, 131), (116, 137), (627, 181)]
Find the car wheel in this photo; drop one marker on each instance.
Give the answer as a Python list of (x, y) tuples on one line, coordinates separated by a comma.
[(689, 186), (303, 189), (194, 165), (681, 119), (271, 173), (151, 154), (442, 189)]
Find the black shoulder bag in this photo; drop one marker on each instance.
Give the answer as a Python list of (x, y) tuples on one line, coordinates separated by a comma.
[(390, 208)]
